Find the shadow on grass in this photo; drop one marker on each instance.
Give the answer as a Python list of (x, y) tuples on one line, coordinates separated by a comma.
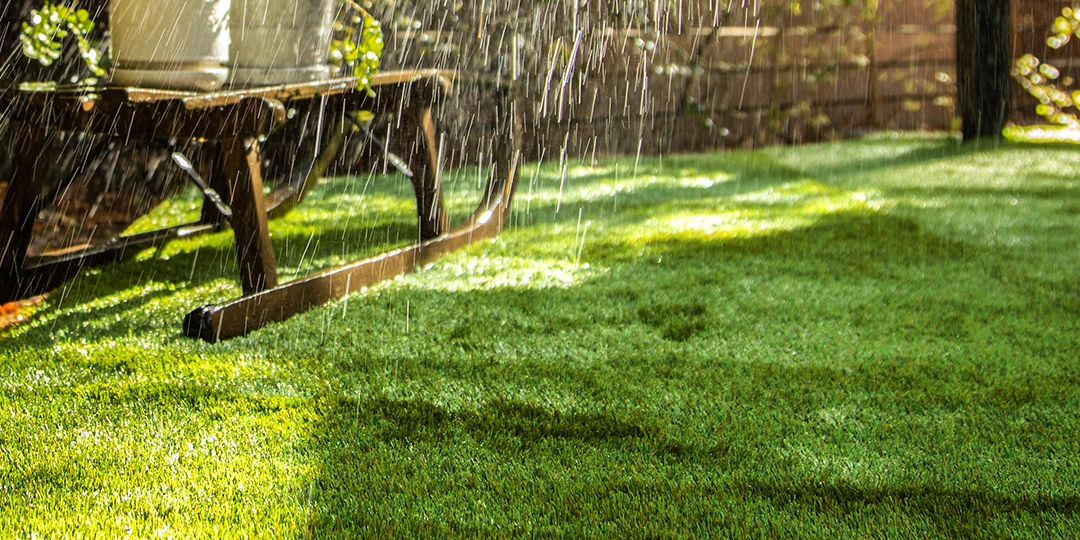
[(361, 490), (736, 166), (852, 243), (689, 181), (680, 306), (956, 512), (644, 202), (509, 425), (352, 432), (1058, 193)]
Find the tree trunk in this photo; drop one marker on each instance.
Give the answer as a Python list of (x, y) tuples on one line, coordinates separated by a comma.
[(983, 58)]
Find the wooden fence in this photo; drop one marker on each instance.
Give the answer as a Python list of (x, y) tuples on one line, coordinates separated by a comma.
[(763, 77), (759, 78)]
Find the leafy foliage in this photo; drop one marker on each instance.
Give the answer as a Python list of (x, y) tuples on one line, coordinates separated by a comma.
[(43, 35), (358, 45), (1040, 78), (360, 51)]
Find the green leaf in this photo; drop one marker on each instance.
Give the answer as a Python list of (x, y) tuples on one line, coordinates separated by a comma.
[(362, 56), (43, 34)]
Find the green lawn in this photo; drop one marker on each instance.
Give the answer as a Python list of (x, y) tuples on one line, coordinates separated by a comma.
[(875, 338)]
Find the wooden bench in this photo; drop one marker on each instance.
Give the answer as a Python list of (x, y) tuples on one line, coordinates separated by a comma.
[(236, 119)]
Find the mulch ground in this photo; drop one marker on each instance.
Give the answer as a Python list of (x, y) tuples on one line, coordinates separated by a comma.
[(12, 313), (78, 218)]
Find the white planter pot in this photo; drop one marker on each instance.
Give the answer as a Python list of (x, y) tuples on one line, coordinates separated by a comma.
[(280, 41), (181, 44)]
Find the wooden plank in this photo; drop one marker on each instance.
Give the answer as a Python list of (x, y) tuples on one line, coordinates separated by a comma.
[(111, 113), (238, 317)]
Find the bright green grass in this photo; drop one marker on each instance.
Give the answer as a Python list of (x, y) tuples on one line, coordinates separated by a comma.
[(875, 338)]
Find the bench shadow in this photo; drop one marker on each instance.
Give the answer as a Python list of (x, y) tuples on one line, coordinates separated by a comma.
[(851, 245), (509, 429), (357, 492)]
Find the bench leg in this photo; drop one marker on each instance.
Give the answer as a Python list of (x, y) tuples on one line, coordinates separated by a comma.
[(416, 140), (239, 166), (20, 207), (238, 317), (506, 151)]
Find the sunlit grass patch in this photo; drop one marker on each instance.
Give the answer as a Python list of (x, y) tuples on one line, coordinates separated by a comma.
[(1042, 134), (180, 209), (484, 272), (776, 209), (590, 184)]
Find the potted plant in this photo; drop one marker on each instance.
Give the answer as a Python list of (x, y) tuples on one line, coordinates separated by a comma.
[(287, 41), (190, 44), (280, 41), (180, 44), (169, 43)]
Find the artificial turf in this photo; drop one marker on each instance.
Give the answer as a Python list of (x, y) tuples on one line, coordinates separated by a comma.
[(875, 338)]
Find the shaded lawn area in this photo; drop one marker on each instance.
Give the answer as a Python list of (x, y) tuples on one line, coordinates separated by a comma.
[(873, 338)]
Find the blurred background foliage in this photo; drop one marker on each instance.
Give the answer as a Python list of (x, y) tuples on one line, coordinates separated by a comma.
[(722, 73), (1054, 92)]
